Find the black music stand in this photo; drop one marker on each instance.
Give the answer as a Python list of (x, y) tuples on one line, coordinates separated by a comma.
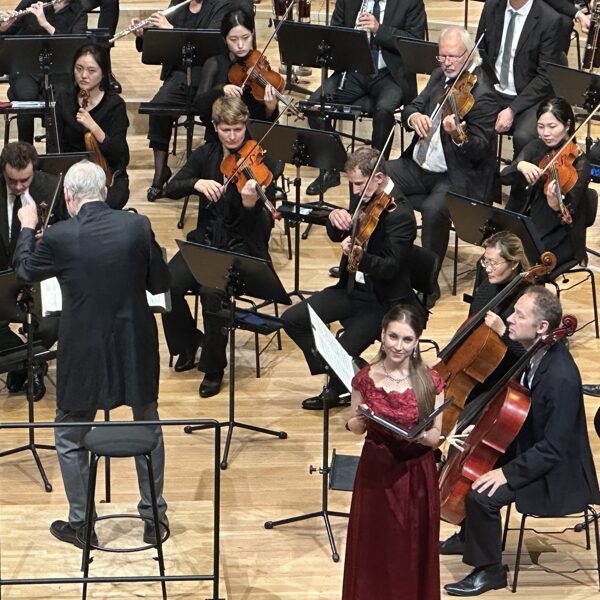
[(16, 303), (475, 221), (46, 55), (182, 48), (300, 147), (236, 275), (336, 48), (418, 56), (55, 164)]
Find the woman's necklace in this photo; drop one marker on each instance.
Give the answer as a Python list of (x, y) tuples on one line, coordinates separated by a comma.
[(394, 379)]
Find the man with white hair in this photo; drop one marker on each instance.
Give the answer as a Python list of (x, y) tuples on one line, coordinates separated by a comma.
[(439, 159), (104, 260)]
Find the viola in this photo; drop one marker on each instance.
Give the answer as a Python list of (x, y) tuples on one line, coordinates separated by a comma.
[(505, 408), (476, 351), (247, 163), (459, 101)]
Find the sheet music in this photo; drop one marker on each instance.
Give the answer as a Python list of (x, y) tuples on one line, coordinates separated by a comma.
[(52, 298), (331, 350)]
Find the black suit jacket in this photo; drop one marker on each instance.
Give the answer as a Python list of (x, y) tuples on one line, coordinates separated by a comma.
[(105, 260), (472, 166), (553, 472), (537, 46), (41, 190), (402, 17)]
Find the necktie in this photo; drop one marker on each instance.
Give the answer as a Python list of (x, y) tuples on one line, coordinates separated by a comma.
[(14, 221), (508, 41), (373, 44)]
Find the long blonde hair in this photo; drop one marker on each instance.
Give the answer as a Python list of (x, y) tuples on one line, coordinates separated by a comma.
[(418, 372)]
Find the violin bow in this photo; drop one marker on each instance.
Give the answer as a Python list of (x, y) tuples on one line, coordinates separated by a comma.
[(51, 207)]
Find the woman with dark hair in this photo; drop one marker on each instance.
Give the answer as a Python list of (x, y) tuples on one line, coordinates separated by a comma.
[(392, 545), (90, 106), (555, 124)]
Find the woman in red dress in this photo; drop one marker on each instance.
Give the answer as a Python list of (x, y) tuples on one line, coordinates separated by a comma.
[(392, 545)]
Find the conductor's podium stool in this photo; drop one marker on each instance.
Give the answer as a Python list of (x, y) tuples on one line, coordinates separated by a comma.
[(120, 442)]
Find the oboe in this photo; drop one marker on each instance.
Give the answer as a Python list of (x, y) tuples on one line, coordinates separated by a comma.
[(362, 9), (145, 22), (17, 14)]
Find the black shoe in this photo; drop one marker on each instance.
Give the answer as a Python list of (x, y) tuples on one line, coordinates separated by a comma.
[(479, 581), (433, 298), (330, 179), (39, 387), (155, 191), (114, 85), (334, 272), (186, 359), (15, 381), (590, 389), (150, 533), (211, 384), (333, 400), (453, 545), (63, 531)]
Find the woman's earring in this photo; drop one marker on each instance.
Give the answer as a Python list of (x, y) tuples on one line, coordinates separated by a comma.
[(415, 351)]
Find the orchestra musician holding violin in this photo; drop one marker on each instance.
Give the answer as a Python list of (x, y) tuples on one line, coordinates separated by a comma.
[(91, 117), (237, 216), (390, 85), (224, 74), (557, 196), (553, 471), (454, 144), (374, 269)]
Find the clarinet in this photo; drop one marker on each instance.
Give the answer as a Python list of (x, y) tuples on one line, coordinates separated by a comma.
[(361, 10)]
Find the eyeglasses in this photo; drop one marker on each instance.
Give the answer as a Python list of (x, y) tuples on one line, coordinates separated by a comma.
[(490, 265), (449, 57)]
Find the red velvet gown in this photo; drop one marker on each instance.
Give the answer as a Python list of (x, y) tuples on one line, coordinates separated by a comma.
[(393, 532)]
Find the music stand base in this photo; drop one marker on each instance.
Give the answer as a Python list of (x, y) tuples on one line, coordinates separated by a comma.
[(33, 448)]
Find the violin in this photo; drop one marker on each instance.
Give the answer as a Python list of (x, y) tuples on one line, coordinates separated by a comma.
[(459, 101), (245, 164), (503, 411)]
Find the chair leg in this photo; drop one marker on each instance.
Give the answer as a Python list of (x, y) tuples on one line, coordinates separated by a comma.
[(594, 301), (597, 536), (159, 551), (455, 266), (89, 521), (506, 521), (518, 559), (256, 355), (586, 520), (276, 310)]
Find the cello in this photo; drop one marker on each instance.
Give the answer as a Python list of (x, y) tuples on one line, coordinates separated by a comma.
[(476, 351), (503, 411)]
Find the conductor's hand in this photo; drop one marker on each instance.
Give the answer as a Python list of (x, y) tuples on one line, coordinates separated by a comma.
[(421, 124), (134, 23), (248, 193), (211, 189), (530, 171), (340, 218), (490, 482), (28, 215), (232, 90), (159, 20)]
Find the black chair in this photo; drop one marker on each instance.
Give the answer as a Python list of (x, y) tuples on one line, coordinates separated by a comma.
[(120, 442)]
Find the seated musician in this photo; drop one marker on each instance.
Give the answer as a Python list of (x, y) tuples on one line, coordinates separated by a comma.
[(91, 107), (390, 86), (570, 12), (19, 173), (382, 279), (439, 159), (559, 217), (237, 30), (553, 471), (198, 14), (227, 219), (64, 17)]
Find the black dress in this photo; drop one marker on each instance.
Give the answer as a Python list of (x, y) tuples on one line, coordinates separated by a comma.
[(111, 115)]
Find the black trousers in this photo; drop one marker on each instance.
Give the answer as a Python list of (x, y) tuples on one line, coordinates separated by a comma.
[(180, 327), (109, 13), (46, 332), (483, 526), (426, 192), (379, 93), (524, 127), (118, 193), (359, 313), (174, 92)]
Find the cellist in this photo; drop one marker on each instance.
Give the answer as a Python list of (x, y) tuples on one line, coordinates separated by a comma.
[(553, 471), (382, 278)]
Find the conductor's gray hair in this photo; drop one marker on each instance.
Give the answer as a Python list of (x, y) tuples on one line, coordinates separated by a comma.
[(86, 181), (467, 40)]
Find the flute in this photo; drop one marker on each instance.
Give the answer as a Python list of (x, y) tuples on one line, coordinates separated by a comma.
[(7, 15), (145, 22), (361, 10)]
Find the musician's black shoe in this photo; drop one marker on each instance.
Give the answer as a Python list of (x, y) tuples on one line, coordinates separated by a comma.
[(331, 395), (155, 191), (330, 179), (15, 381), (63, 531), (114, 85), (150, 533), (453, 545), (433, 298), (590, 389), (211, 384), (39, 387), (334, 272), (479, 581), (187, 359)]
